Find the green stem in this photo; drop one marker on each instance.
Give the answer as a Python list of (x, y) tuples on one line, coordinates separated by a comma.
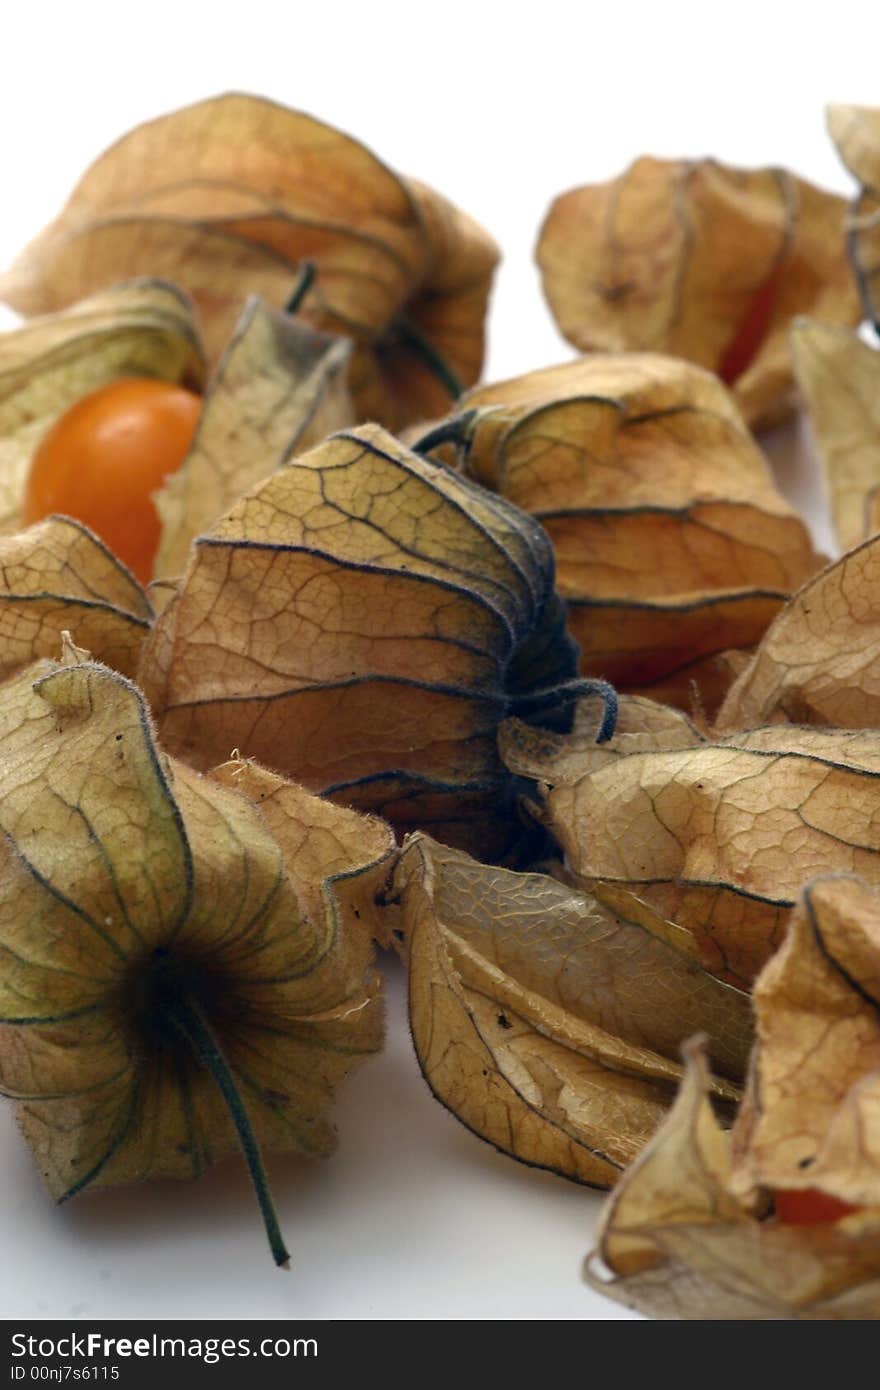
[(412, 336), (304, 281), (190, 1022)]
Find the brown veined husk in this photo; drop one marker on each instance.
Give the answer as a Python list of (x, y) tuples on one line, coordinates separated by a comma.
[(673, 545), (139, 895), (716, 838), (231, 196), (57, 577), (703, 261), (141, 328), (855, 131), (361, 621), (547, 1023), (817, 663), (700, 1225), (279, 387), (839, 379)]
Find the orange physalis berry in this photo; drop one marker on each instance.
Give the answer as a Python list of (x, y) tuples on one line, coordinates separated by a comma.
[(104, 458), (809, 1207)]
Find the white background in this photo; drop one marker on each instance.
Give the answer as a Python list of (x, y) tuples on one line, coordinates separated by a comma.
[(500, 106)]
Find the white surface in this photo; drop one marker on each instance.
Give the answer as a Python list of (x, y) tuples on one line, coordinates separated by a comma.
[(501, 107), (413, 1218)]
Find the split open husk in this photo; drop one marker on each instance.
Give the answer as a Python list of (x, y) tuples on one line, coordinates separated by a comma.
[(698, 1228), (704, 261)]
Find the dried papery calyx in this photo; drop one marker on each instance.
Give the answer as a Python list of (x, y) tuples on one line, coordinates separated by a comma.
[(56, 577), (233, 196), (183, 970), (673, 545), (278, 388), (716, 838), (703, 261), (839, 379), (781, 1217), (855, 131), (817, 663), (546, 1022), (362, 621)]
